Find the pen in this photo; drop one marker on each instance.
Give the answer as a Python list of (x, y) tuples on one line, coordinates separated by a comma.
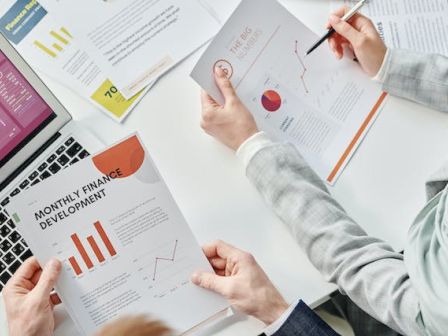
[(331, 31)]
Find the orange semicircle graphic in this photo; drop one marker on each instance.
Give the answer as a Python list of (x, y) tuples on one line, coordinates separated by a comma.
[(127, 156)]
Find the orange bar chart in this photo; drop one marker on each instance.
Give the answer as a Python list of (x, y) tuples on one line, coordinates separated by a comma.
[(105, 238), (95, 248), (82, 251), (75, 265)]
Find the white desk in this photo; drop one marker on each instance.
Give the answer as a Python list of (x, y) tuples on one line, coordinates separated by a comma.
[(382, 188)]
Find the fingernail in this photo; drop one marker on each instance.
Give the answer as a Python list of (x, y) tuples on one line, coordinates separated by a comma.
[(195, 278), (219, 71), (54, 264)]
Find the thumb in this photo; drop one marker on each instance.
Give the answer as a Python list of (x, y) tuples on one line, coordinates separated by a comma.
[(48, 279), (224, 84), (209, 281), (345, 29)]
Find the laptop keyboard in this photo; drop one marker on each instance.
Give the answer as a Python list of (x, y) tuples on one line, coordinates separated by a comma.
[(13, 248)]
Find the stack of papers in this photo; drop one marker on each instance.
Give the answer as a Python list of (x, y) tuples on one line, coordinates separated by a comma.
[(117, 51)]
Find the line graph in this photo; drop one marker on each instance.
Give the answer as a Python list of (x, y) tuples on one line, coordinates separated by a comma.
[(166, 266), (157, 259), (302, 64)]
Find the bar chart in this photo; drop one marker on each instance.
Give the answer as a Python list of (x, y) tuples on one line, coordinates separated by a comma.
[(95, 246), (61, 39)]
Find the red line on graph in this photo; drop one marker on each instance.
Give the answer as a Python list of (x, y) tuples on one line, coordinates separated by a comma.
[(164, 259), (304, 69)]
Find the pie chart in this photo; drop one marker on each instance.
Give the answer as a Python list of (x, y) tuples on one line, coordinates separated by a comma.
[(271, 101)]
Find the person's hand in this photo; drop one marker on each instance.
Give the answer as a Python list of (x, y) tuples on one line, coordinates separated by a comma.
[(242, 282), (232, 123), (29, 300), (361, 36), (138, 325)]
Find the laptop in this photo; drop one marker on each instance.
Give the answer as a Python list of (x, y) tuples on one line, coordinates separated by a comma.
[(38, 138)]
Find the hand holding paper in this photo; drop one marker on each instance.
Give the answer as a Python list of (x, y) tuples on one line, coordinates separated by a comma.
[(323, 106), (29, 300), (125, 246), (231, 123)]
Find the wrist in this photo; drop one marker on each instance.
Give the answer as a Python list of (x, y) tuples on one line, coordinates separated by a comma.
[(274, 312), (246, 136), (22, 329), (18, 330), (381, 75)]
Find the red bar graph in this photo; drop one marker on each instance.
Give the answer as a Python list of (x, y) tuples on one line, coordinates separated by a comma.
[(95, 248), (105, 238), (75, 266), (82, 251)]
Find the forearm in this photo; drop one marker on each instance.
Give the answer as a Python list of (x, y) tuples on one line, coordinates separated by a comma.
[(365, 268), (419, 77)]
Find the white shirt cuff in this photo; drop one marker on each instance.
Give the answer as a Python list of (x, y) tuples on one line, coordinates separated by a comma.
[(274, 327), (380, 77), (252, 146)]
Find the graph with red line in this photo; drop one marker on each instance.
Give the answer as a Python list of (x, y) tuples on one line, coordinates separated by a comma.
[(303, 69), (164, 259), (166, 266)]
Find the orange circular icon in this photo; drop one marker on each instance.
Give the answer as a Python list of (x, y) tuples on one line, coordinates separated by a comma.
[(225, 66)]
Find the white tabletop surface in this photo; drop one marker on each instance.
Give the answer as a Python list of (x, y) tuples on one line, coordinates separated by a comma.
[(382, 187)]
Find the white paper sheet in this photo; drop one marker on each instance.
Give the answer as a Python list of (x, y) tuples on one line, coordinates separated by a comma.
[(137, 41), (124, 244), (409, 24), (322, 105), (221, 9), (49, 46)]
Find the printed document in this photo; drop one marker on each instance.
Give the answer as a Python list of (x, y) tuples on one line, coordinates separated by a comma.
[(49, 46), (323, 106), (125, 246), (136, 41), (408, 24), (221, 10)]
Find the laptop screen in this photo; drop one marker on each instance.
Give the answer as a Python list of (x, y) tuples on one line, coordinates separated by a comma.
[(23, 113)]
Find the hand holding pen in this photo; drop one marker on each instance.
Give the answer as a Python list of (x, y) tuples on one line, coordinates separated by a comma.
[(347, 16), (360, 36)]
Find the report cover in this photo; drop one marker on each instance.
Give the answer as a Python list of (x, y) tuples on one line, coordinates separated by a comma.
[(124, 244)]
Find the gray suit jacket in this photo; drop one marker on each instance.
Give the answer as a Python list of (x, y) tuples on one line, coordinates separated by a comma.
[(365, 268)]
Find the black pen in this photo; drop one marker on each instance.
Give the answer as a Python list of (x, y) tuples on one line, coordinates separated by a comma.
[(331, 31)]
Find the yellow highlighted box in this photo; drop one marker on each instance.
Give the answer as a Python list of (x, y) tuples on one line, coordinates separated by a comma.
[(112, 100)]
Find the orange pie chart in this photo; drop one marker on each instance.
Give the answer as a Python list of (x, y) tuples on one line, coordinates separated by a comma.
[(271, 101)]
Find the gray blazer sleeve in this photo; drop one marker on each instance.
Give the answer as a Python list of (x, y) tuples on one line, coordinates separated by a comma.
[(365, 268), (420, 77)]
